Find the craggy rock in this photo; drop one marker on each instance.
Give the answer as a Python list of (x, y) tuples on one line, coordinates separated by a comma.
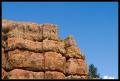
[(24, 74), (7, 25), (69, 41), (25, 60), (46, 30), (3, 59), (73, 52), (20, 43), (50, 31), (25, 27), (54, 61), (4, 74), (28, 33), (56, 46), (54, 33), (35, 51), (54, 75), (76, 66), (31, 28)]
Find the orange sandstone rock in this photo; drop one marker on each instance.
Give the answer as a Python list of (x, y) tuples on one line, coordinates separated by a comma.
[(24, 74), (25, 60), (54, 75), (73, 52), (76, 66), (36, 52), (3, 59), (4, 74), (20, 43), (54, 61), (56, 46)]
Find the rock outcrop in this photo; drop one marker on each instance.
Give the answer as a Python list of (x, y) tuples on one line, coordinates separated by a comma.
[(35, 51)]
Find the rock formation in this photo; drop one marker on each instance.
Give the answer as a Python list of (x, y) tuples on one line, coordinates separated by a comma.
[(35, 51)]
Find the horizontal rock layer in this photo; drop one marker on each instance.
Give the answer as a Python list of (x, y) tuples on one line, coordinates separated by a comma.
[(46, 45), (44, 30), (39, 36), (23, 59), (24, 74)]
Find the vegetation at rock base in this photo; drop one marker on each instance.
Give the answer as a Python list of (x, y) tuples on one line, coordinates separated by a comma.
[(93, 72)]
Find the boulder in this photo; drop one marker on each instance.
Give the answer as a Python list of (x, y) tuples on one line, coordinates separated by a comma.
[(76, 66), (26, 60), (55, 46), (24, 74), (54, 75), (73, 52), (54, 61), (70, 41)]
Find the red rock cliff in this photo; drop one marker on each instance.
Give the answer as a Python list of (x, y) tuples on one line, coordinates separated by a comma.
[(35, 51)]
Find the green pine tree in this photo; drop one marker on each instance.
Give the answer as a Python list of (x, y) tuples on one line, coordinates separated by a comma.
[(93, 72)]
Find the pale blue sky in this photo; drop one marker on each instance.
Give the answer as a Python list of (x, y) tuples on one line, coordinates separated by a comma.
[(94, 25)]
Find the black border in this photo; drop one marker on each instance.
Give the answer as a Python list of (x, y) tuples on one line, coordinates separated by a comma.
[(62, 1)]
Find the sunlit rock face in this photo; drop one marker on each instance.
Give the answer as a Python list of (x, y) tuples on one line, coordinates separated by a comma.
[(35, 51)]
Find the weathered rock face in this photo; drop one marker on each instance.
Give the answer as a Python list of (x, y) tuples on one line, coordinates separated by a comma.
[(14, 43), (25, 60), (54, 61), (56, 46), (69, 41), (73, 52), (76, 66), (35, 51)]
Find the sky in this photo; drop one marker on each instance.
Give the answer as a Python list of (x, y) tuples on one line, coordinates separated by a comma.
[(94, 26)]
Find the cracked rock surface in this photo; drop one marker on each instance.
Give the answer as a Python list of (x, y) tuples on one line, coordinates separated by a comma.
[(35, 51)]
